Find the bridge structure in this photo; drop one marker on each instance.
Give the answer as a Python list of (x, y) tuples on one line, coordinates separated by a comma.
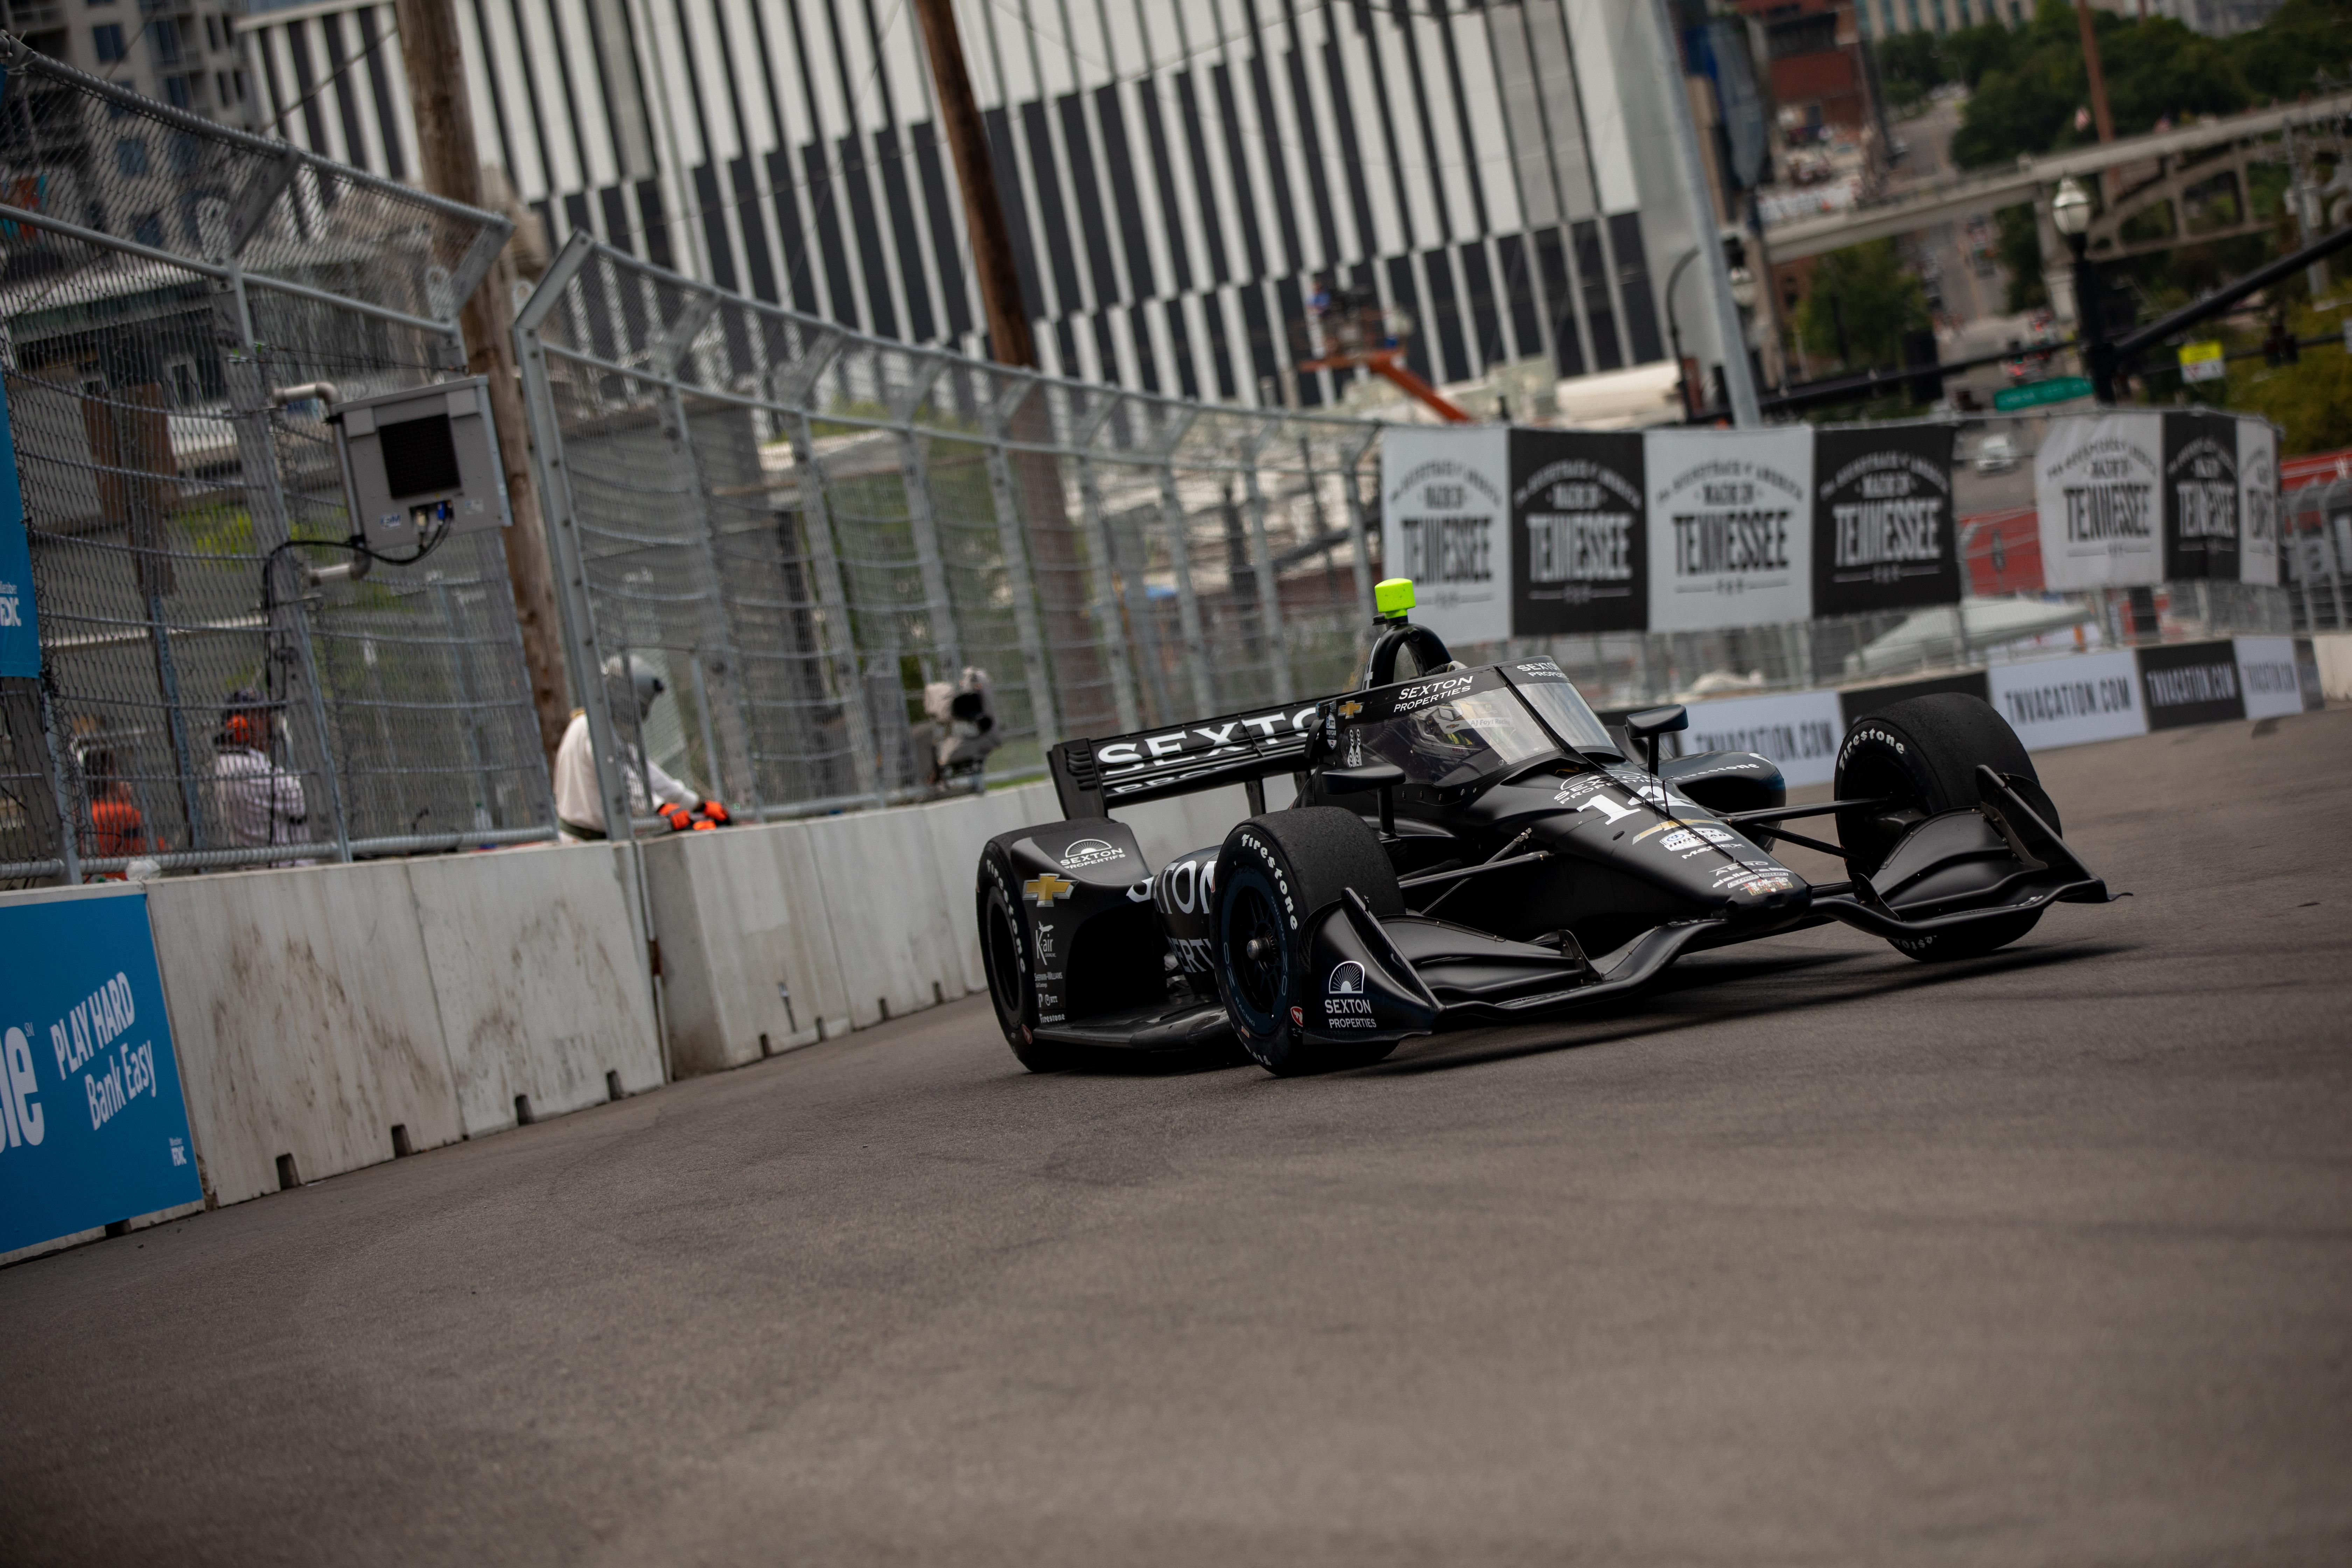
[(2183, 167)]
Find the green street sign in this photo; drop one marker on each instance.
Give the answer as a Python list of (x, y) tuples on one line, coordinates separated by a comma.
[(2033, 393)]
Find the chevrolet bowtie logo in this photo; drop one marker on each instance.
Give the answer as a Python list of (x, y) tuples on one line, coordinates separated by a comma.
[(1350, 710), (1047, 888)]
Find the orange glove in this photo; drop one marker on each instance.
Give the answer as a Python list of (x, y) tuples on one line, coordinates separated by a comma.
[(705, 827), (715, 814), (681, 820)]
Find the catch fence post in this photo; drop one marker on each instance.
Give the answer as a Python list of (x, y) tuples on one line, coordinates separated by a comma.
[(833, 599), (265, 498), (561, 518), (1108, 620), (922, 515), (1180, 555), (1358, 529), (728, 750), (1269, 598), (69, 826), (1020, 586)]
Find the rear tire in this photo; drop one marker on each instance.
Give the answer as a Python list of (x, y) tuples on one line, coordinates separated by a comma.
[(1922, 755), (1004, 953), (1274, 874)]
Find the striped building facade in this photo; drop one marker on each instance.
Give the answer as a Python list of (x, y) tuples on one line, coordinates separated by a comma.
[(1884, 18), (1178, 172)]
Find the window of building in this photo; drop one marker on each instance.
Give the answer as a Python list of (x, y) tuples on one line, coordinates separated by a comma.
[(166, 34), (149, 230), (108, 42), (131, 156)]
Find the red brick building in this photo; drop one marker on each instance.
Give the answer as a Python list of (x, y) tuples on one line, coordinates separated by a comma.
[(1813, 55)]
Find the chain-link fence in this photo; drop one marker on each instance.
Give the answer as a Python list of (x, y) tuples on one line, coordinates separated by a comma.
[(797, 528), (800, 528), (180, 304)]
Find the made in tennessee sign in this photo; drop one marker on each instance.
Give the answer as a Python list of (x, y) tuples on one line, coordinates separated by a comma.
[(92, 1128)]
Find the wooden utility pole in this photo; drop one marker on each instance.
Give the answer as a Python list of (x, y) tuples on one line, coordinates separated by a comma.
[(984, 215), (452, 167), (2099, 115)]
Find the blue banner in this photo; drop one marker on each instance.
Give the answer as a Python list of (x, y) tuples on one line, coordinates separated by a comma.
[(92, 1128), (20, 639)]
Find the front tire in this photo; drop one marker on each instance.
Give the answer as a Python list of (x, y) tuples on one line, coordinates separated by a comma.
[(1005, 953), (1274, 874), (1921, 756)]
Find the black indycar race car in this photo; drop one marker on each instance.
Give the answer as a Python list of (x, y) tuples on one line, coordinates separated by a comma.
[(1474, 845)]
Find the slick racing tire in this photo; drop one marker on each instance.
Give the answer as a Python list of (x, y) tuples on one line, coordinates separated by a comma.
[(1921, 756), (1005, 953), (1274, 874)]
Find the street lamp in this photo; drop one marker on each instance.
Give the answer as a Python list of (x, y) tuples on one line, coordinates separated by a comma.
[(1743, 294), (2070, 215), (2070, 212), (1674, 335)]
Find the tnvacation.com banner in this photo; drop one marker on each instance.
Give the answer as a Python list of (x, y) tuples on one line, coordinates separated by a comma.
[(2071, 701)]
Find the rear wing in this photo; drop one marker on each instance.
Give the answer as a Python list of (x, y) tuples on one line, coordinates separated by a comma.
[(1092, 776)]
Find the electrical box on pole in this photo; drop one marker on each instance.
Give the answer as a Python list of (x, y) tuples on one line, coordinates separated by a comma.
[(420, 465)]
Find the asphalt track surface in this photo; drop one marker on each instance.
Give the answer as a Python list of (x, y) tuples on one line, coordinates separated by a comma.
[(1816, 1256)]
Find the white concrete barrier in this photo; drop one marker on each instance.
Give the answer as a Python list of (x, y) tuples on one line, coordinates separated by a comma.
[(303, 1011), (2334, 651), (894, 923), (748, 952), (959, 828), (538, 973)]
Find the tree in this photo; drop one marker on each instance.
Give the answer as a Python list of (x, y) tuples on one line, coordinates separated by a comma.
[(2018, 243), (1878, 300), (2312, 398), (1970, 54), (2301, 38), (1912, 65)]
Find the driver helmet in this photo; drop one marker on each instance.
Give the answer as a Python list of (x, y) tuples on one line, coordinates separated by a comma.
[(1443, 732)]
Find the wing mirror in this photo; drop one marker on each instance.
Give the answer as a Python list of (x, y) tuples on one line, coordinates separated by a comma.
[(1381, 776), (1651, 723)]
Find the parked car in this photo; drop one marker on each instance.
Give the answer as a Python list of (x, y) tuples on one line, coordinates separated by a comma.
[(1996, 454)]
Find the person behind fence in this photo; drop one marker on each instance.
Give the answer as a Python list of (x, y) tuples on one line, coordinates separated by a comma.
[(258, 800), (962, 729), (117, 829), (580, 805)]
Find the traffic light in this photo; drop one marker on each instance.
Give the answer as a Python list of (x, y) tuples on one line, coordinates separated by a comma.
[(2280, 348), (1919, 353)]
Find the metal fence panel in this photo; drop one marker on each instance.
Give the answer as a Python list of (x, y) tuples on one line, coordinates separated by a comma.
[(840, 520), (844, 520), (167, 283)]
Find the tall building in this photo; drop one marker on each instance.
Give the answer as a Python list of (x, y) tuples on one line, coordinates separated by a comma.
[(182, 52), (1884, 18), (2215, 18), (1178, 172), (1813, 59)]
